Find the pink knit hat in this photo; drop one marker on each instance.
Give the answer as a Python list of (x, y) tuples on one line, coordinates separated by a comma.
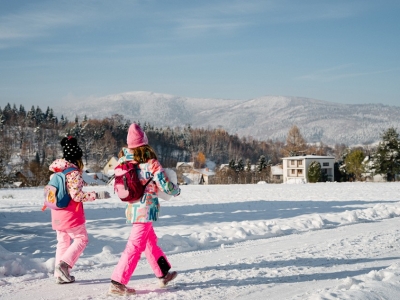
[(136, 136)]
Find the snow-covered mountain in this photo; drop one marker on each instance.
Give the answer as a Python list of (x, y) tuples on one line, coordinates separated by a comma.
[(268, 117)]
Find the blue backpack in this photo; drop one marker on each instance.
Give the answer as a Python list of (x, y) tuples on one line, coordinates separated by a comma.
[(55, 192)]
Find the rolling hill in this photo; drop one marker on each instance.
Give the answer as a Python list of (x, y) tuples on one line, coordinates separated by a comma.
[(268, 117)]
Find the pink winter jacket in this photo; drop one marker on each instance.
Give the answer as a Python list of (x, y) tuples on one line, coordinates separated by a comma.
[(73, 215)]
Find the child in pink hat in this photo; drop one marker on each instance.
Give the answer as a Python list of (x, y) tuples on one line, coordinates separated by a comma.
[(141, 214)]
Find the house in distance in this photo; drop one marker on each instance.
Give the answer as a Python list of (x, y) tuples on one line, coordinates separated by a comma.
[(295, 168)]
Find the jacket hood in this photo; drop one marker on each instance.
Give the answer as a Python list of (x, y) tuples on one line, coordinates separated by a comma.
[(60, 165)]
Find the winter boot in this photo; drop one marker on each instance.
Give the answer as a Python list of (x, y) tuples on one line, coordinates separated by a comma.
[(63, 270), (167, 278), (59, 280), (120, 289)]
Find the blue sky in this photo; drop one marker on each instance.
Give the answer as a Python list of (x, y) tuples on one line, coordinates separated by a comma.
[(339, 51)]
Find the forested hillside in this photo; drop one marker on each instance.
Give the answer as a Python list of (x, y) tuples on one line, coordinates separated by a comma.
[(30, 141)]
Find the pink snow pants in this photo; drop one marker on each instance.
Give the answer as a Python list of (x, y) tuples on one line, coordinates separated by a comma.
[(142, 238), (68, 252)]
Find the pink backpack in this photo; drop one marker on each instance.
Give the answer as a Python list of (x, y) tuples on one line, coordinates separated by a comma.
[(126, 182)]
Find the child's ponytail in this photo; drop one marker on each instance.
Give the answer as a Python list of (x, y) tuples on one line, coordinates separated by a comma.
[(143, 153)]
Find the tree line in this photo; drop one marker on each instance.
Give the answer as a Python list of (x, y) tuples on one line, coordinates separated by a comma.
[(30, 142)]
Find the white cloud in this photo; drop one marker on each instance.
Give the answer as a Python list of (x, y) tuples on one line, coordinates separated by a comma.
[(337, 73), (33, 24), (44, 19)]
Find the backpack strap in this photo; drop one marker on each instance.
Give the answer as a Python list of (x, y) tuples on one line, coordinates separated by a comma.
[(136, 166), (65, 172), (148, 181), (69, 170)]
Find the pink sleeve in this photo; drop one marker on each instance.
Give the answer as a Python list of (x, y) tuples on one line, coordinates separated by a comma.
[(75, 185), (155, 166)]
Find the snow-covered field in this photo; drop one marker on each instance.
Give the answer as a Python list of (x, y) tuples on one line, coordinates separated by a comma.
[(306, 241)]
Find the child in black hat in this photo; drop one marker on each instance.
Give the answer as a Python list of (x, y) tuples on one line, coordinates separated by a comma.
[(69, 222)]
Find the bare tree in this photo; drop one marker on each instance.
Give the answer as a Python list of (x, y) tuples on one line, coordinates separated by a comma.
[(102, 150), (295, 143)]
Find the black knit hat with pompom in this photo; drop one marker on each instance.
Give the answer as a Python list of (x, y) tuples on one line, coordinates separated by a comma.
[(71, 151)]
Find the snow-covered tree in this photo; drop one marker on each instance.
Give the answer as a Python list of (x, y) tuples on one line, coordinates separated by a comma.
[(387, 156), (232, 164), (50, 118), (63, 121), (2, 119), (7, 112), (262, 163), (248, 165), (240, 165), (83, 133), (3, 174), (40, 116), (22, 111), (31, 116)]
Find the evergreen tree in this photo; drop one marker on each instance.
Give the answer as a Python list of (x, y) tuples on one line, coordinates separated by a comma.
[(7, 112), (31, 116), (240, 165), (64, 121), (386, 160), (262, 163), (314, 172), (2, 119), (15, 109), (51, 118), (232, 164), (7, 108), (47, 113), (22, 111), (39, 115)]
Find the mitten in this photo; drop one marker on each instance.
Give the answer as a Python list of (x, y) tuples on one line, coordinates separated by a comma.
[(103, 195)]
